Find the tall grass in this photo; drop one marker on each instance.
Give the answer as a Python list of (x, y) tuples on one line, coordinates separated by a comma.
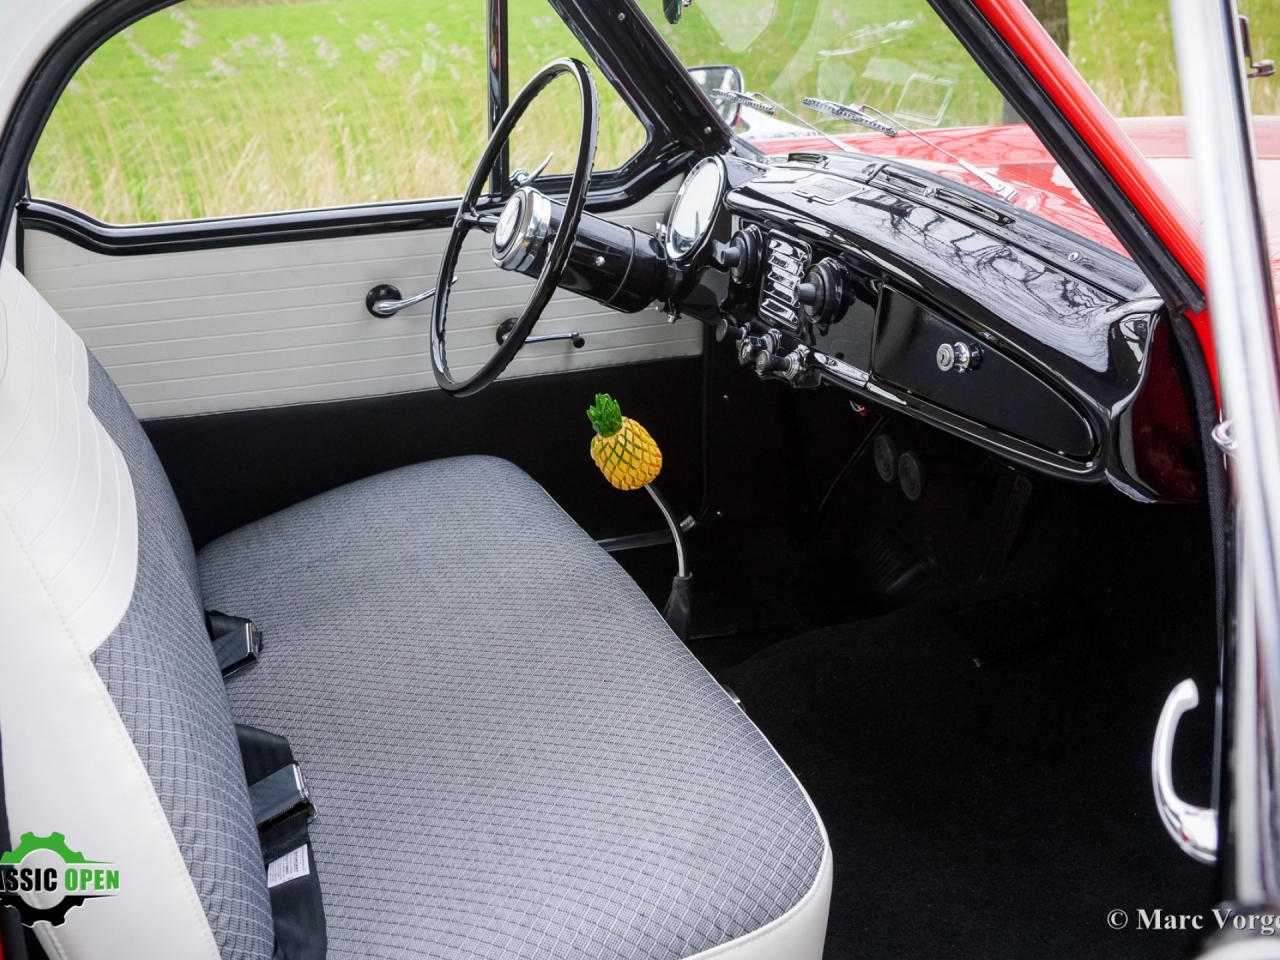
[(1124, 49), (223, 107)]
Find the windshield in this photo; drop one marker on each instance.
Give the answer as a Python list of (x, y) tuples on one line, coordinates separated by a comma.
[(895, 56), (885, 77)]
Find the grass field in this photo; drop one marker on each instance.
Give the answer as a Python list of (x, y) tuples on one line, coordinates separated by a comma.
[(1124, 48), (221, 107), (218, 107)]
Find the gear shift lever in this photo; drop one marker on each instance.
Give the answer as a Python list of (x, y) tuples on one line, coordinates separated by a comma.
[(630, 459)]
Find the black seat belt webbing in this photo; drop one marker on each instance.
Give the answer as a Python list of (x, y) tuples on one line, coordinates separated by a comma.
[(282, 809)]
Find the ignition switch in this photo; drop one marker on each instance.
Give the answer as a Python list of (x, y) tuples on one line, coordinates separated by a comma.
[(958, 357), (749, 347)]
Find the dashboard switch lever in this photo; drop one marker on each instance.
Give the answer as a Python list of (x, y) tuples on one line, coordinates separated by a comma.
[(790, 367), (726, 330), (766, 362), (726, 256)]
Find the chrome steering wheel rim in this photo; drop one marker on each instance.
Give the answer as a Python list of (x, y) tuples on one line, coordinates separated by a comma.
[(469, 217)]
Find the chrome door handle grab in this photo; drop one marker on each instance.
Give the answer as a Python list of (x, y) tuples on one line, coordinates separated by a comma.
[(1194, 829), (384, 299)]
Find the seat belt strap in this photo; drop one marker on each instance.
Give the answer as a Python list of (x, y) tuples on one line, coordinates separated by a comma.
[(282, 808), (236, 641)]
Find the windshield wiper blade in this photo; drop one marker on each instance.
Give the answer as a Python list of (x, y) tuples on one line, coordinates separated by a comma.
[(746, 99), (856, 113), (839, 110), (758, 101)]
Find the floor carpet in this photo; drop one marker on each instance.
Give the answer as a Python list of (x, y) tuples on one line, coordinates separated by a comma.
[(981, 757)]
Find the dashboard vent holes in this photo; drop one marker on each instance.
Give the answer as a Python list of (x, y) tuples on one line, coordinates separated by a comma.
[(786, 263)]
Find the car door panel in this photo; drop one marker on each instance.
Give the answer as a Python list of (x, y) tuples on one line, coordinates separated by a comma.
[(241, 327)]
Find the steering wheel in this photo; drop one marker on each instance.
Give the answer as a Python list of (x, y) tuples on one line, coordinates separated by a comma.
[(522, 227)]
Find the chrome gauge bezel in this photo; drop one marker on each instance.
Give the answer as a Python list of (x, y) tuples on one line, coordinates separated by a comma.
[(700, 242)]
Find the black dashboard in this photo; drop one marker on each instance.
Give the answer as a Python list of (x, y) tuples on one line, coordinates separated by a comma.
[(919, 294)]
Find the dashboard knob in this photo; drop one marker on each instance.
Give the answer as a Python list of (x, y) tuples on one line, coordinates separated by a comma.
[(766, 362), (790, 367), (741, 255), (967, 357), (825, 291)]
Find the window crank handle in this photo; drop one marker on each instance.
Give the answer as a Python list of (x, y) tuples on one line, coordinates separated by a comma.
[(384, 299)]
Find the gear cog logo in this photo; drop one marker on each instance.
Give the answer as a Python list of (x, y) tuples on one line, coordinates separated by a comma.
[(43, 878)]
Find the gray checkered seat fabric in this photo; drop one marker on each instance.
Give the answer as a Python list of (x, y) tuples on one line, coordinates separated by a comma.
[(159, 668), (511, 754)]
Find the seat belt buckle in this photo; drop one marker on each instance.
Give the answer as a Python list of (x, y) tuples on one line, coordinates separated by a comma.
[(280, 795), (237, 644)]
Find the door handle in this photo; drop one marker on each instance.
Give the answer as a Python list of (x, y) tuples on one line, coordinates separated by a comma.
[(1194, 829)]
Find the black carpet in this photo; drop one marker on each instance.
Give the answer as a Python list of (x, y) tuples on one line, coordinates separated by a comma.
[(981, 758)]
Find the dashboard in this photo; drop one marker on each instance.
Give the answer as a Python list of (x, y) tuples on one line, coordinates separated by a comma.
[(925, 296)]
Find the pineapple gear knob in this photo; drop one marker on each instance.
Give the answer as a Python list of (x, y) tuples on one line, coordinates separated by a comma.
[(621, 448)]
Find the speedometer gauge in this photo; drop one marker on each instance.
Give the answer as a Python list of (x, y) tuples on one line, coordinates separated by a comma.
[(695, 209)]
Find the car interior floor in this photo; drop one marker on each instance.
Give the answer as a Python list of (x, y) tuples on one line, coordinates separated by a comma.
[(967, 685)]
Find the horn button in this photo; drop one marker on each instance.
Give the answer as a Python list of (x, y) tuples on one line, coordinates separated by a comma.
[(523, 226)]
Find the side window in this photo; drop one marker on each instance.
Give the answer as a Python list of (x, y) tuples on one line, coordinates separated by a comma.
[(223, 107), (538, 36), (215, 108)]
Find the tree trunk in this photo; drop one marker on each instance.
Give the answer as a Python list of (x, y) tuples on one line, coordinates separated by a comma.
[(1052, 14)]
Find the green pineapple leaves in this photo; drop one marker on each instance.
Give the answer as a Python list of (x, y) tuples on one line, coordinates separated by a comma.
[(605, 415)]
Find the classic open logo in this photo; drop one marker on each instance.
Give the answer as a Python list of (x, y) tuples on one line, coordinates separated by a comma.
[(44, 878)]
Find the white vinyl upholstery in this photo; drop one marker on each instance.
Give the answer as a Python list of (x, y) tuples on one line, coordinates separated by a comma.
[(68, 562)]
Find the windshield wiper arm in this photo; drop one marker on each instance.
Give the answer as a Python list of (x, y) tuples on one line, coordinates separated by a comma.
[(856, 113), (758, 101)]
